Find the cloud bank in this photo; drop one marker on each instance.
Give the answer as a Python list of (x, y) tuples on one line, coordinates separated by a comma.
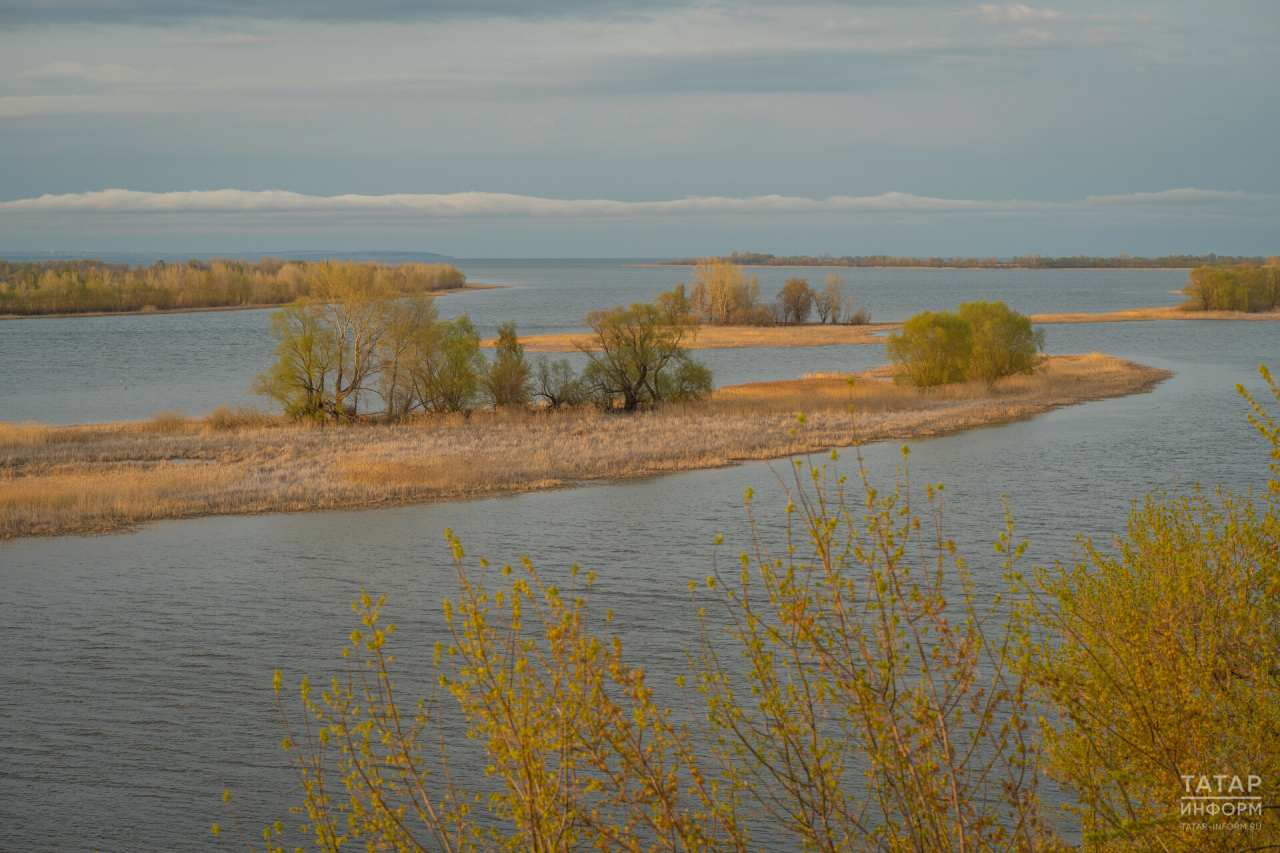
[(1180, 203)]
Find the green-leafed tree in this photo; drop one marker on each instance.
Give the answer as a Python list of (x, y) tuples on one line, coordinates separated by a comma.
[(932, 348), (637, 357), (556, 383), (306, 355), (1003, 341), (508, 378)]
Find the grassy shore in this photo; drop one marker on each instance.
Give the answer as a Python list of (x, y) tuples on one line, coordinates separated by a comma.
[(826, 335), (102, 478), (205, 309), (1140, 314), (734, 337)]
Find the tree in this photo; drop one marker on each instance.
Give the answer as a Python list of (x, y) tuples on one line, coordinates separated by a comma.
[(721, 294), (450, 382), (306, 354), (830, 302), (634, 356), (507, 380), (675, 305), (933, 348), (412, 340), (796, 299), (1003, 341), (346, 302), (555, 382), (1235, 288)]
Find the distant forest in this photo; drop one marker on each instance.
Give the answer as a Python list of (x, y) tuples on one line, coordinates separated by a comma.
[(84, 286), (1022, 262)]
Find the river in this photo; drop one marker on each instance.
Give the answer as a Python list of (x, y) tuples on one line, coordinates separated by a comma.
[(137, 667)]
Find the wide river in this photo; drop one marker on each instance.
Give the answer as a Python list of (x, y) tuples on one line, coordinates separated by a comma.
[(136, 669)]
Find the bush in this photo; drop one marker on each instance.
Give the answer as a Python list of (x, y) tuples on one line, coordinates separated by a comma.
[(933, 348), (856, 695), (984, 341), (845, 732), (1003, 342), (1162, 664), (508, 379)]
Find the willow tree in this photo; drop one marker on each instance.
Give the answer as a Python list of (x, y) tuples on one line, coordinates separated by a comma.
[(637, 354)]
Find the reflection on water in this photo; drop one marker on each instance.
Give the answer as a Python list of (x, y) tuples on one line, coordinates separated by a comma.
[(137, 678)]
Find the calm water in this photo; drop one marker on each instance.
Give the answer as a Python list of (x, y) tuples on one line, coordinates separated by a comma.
[(73, 370), (136, 678)]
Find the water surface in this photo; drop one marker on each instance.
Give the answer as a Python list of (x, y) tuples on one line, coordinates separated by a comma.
[(138, 666)]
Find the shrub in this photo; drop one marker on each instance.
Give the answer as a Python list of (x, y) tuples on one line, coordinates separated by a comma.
[(872, 714), (508, 378), (1003, 341), (984, 341), (228, 419), (933, 348), (1162, 665)]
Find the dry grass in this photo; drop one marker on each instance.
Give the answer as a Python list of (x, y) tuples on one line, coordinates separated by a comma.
[(826, 335), (734, 337), (1138, 314), (56, 480)]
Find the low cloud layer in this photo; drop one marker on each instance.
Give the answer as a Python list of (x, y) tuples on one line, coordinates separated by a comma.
[(1180, 203)]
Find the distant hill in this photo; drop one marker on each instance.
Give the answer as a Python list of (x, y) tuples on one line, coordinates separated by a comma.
[(134, 259)]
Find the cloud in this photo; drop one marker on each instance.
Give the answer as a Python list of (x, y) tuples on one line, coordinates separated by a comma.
[(68, 70), (169, 12), (479, 205), (844, 26), (228, 40), (1018, 13)]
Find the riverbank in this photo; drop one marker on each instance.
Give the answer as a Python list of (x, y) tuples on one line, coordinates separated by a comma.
[(1144, 314), (111, 477), (829, 334), (211, 308), (732, 337)]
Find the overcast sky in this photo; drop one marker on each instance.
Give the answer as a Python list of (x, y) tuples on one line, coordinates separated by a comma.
[(518, 128)]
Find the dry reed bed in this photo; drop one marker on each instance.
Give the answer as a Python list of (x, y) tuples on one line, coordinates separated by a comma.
[(100, 478), (733, 337), (826, 335), (1139, 314)]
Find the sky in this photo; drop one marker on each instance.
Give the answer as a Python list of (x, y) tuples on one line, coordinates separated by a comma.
[(613, 128)]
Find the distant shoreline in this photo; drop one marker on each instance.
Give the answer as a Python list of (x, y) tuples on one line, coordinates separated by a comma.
[(922, 267), (465, 288)]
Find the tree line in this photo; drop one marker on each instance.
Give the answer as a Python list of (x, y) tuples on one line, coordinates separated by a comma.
[(857, 687), (719, 292), (1033, 262), (1234, 288), (357, 348), (90, 286)]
